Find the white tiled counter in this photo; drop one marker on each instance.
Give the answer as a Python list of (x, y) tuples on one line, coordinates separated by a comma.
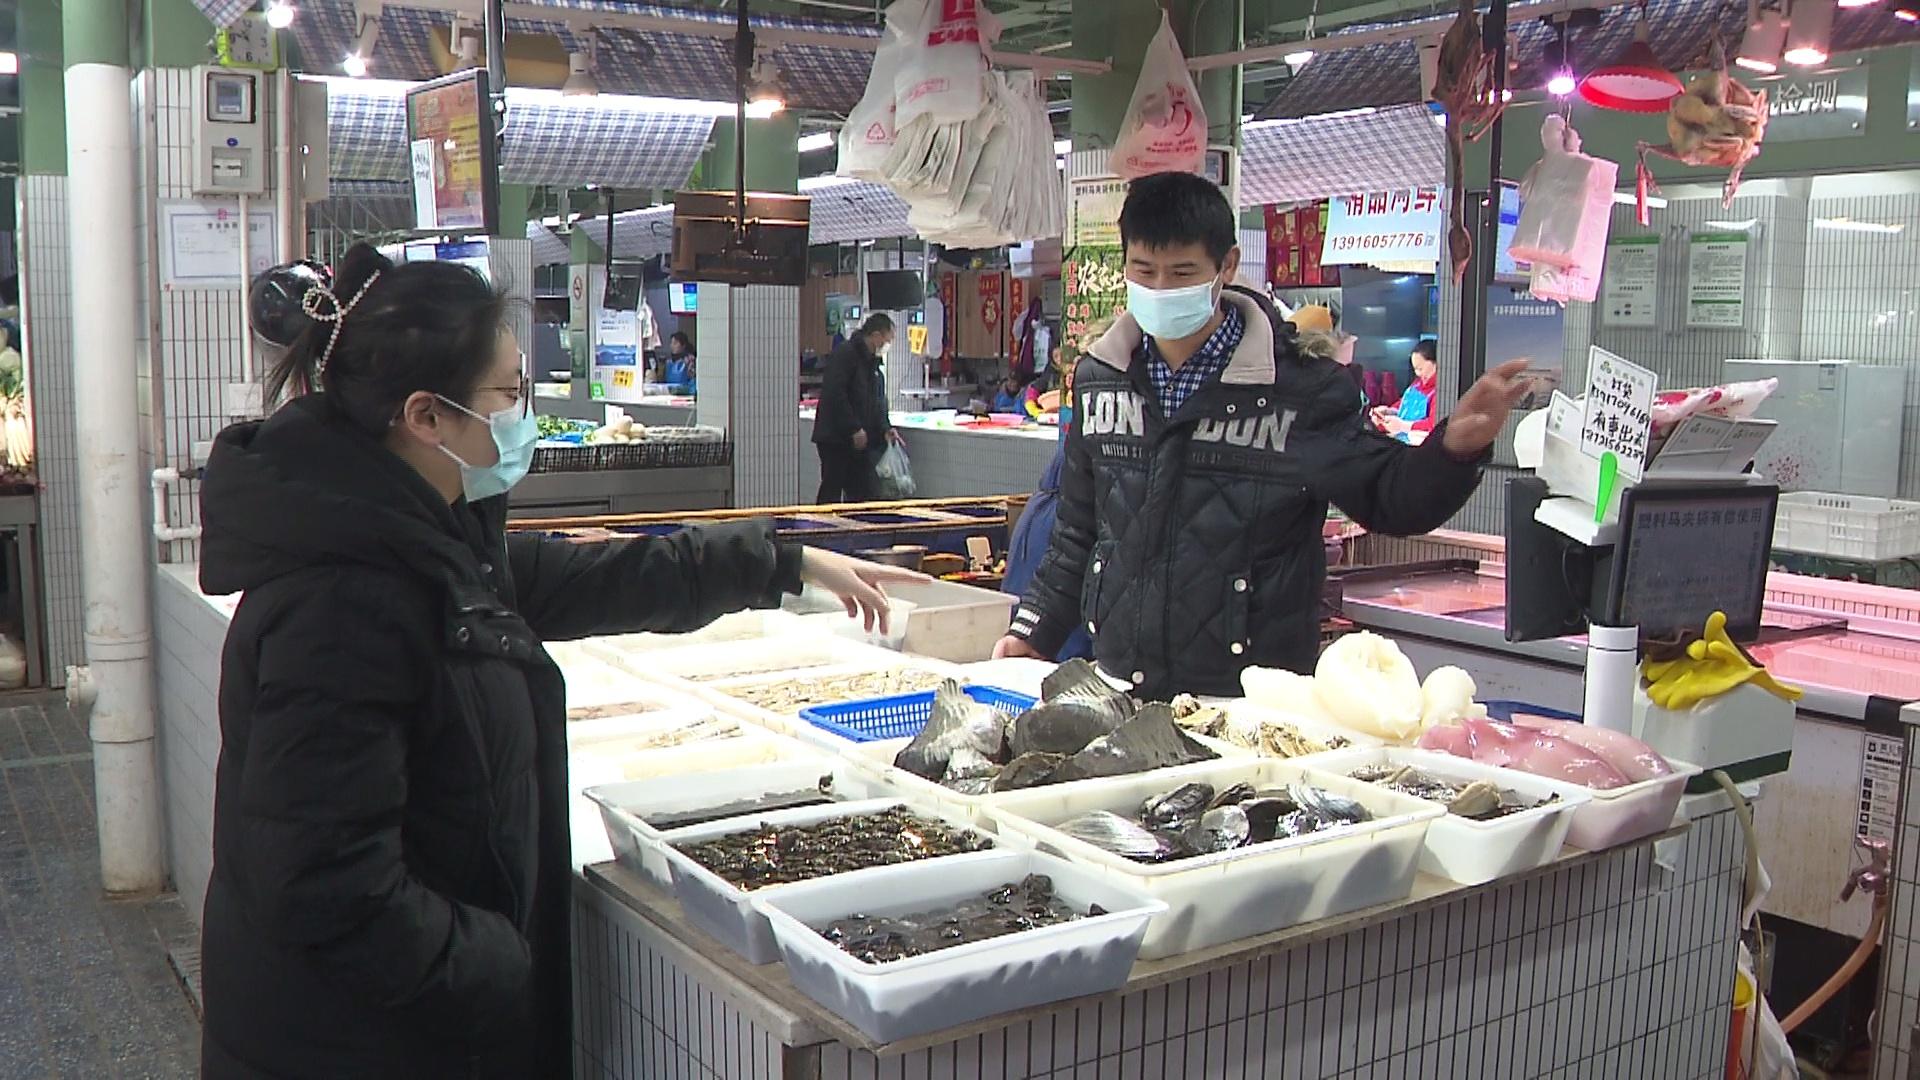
[(1897, 1054), (951, 462), (189, 630), (1605, 965)]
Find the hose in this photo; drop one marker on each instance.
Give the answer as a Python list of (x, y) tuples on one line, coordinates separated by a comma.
[(1847, 970)]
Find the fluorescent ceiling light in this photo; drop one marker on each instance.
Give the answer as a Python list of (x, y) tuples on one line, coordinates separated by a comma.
[(531, 95), (1841, 224), (1734, 226), (818, 140), (279, 14), (1298, 59), (765, 108), (1562, 84), (9, 63), (1809, 32), (1625, 198)]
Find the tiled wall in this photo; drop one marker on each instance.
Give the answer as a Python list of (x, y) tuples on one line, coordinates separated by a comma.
[(749, 380), (947, 464), (188, 635), (1900, 942), (48, 330), (1618, 968)]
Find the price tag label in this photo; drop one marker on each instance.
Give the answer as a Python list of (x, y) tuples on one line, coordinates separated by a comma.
[(623, 379), (1619, 411)]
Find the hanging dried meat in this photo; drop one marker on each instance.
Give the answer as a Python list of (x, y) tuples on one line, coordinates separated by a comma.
[(1467, 84)]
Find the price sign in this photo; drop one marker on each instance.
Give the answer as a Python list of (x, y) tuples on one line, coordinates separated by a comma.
[(1402, 225), (917, 340), (1619, 411), (623, 378)]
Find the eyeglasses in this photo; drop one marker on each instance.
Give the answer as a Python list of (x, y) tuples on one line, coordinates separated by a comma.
[(521, 395)]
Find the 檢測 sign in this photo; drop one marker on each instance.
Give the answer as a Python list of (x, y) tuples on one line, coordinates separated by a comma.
[(1398, 226)]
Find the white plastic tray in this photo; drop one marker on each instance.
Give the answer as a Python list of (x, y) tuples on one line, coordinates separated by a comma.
[(1245, 891), (737, 627), (1621, 814), (720, 693), (723, 909), (625, 807), (967, 982), (1475, 852), (1312, 728)]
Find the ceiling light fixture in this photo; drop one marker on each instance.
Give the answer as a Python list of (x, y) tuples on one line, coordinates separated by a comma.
[(1809, 33), (1906, 15), (580, 81), (1857, 3), (355, 62), (1637, 83), (1062, 146), (1844, 224), (279, 14), (1561, 82), (817, 141), (9, 63), (765, 99), (1765, 39), (1626, 198)]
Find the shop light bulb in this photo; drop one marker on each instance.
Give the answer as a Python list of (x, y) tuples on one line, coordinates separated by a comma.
[(354, 65), (1562, 83), (1857, 3), (1906, 15), (1760, 47), (1298, 59), (1809, 32), (279, 15), (765, 108), (9, 63)]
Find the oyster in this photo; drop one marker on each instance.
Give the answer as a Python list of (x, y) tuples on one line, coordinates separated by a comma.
[(1028, 771), (1008, 909), (1328, 807), (1477, 799), (780, 854), (1190, 713)]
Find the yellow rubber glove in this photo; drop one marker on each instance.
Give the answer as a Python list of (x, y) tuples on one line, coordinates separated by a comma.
[(1713, 665)]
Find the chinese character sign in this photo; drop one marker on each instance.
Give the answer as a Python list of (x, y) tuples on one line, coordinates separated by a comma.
[(1095, 286), (1619, 411), (1402, 225)]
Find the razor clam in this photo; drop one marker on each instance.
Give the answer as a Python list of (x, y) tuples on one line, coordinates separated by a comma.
[(1122, 836), (1177, 807)]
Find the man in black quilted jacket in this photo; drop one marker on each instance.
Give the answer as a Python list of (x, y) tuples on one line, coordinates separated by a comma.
[(1208, 438)]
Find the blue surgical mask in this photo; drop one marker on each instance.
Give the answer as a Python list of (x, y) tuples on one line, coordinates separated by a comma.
[(1172, 313), (515, 431)]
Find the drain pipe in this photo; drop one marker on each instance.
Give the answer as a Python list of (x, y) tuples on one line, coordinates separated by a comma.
[(118, 679)]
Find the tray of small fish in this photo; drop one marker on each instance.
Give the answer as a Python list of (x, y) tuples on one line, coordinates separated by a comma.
[(1236, 848), (1499, 821), (1081, 729), (902, 951), (1268, 732), (770, 657), (718, 867), (637, 816)]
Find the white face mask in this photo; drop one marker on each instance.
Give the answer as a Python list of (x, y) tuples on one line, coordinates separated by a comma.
[(1173, 313)]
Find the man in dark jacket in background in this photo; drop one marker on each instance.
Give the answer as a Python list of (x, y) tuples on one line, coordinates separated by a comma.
[(1206, 444), (851, 425)]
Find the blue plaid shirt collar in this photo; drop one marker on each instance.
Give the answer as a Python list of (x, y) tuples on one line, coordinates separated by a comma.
[(1173, 388)]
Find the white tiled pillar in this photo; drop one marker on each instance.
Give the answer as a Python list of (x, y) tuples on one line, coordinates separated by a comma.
[(49, 355), (749, 377)]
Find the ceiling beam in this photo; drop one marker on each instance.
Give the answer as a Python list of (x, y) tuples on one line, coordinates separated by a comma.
[(1410, 31)]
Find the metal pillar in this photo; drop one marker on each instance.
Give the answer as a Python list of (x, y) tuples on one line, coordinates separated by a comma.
[(117, 683)]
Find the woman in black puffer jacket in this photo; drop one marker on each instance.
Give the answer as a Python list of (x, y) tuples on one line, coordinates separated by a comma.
[(391, 871)]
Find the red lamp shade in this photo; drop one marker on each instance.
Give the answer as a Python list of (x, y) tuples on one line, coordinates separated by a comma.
[(1639, 83)]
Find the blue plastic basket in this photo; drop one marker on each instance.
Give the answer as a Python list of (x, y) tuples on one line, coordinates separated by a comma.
[(902, 716), (1504, 710)]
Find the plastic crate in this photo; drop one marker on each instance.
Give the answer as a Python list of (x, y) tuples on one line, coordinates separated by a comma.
[(901, 717), (1852, 526), (653, 454)]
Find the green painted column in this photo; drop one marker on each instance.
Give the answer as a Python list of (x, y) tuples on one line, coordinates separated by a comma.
[(43, 94), (177, 35), (513, 210), (1121, 29), (773, 154)]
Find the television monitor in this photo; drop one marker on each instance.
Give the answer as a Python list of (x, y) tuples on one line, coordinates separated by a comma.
[(770, 250), (552, 310), (1505, 268), (452, 154), (895, 290), (683, 298), (471, 254)]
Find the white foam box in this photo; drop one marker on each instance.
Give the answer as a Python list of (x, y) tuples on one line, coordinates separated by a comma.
[(1251, 890), (725, 911), (1476, 852), (920, 994), (626, 807)]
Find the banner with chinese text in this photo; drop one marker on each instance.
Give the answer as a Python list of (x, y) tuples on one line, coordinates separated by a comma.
[(1398, 226)]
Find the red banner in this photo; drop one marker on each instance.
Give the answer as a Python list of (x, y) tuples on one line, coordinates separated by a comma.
[(1016, 305), (990, 300), (1294, 238)]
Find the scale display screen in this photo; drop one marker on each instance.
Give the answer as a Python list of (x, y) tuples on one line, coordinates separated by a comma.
[(1687, 552)]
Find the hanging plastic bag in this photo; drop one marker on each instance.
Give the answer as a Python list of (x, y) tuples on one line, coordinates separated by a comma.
[(894, 473), (944, 69), (868, 135), (1165, 129), (1566, 207)]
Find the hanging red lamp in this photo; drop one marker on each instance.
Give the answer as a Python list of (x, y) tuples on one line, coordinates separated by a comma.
[(1637, 83)]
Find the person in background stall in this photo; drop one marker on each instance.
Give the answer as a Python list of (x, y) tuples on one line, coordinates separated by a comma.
[(1318, 319), (679, 372), (1206, 444), (392, 863), (1009, 397), (851, 425), (1413, 419)]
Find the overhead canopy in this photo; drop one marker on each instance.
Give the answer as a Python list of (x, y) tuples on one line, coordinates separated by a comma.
[(843, 211), (1341, 154)]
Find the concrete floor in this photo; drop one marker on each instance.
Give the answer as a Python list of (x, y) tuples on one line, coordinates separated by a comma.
[(86, 989)]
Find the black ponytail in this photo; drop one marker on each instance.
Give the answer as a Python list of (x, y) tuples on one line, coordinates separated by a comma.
[(429, 326)]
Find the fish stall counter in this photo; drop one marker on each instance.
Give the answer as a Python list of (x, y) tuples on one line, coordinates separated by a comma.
[(953, 458), (1610, 961)]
